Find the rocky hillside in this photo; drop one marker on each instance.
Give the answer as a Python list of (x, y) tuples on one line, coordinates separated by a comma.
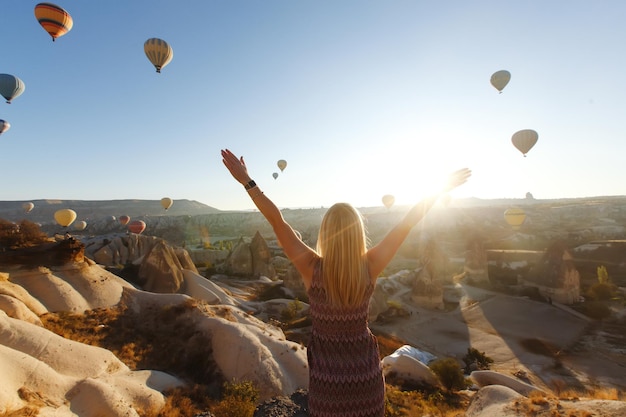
[(94, 210)]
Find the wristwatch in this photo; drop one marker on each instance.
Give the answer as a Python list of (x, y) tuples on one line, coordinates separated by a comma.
[(250, 184)]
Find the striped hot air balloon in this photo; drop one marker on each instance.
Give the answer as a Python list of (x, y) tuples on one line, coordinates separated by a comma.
[(515, 217), (54, 19), (158, 52), (4, 126)]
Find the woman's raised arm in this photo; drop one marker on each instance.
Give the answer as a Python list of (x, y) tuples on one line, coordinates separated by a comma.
[(301, 255), (380, 255)]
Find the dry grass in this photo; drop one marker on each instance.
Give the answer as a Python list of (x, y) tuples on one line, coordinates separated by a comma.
[(413, 403), (539, 404), (163, 340)]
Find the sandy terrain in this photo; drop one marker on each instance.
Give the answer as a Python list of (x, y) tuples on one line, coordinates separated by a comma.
[(545, 341)]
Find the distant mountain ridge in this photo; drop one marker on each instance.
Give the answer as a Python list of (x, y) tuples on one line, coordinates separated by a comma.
[(44, 209)]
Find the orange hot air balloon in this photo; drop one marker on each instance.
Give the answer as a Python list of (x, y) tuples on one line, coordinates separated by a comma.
[(54, 19), (124, 220), (137, 226)]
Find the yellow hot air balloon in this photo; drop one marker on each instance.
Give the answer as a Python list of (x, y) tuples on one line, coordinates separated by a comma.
[(524, 140), (65, 217), (500, 79), (515, 217), (166, 202), (80, 225), (158, 52), (28, 207), (54, 19), (282, 164), (388, 200)]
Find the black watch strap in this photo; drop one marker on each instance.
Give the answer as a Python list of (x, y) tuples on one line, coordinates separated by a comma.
[(250, 184)]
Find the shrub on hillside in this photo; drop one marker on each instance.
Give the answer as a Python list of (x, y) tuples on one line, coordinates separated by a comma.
[(601, 291), (239, 399), (449, 373), (475, 359), (20, 235)]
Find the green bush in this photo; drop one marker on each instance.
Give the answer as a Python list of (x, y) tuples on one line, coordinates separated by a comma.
[(474, 356), (238, 400), (292, 310), (449, 373)]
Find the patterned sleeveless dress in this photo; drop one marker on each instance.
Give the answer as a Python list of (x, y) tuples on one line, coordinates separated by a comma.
[(345, 373)]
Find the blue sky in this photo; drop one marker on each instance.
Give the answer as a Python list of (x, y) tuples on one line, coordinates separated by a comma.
[(362, 98)]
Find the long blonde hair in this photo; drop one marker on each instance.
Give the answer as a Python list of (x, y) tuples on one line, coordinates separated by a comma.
[(342, 246)]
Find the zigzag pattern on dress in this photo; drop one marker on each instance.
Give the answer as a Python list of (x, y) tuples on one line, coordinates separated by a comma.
[(345, 374)]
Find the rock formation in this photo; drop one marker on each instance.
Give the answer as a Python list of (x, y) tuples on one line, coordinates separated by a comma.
[(475, 267), (250, 259), (426, 291), (555, 276)]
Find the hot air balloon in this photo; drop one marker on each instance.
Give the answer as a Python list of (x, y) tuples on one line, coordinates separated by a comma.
[(524, 140), (388, 200), (56, 21), (80, 225), (65, 217), (158, 52), (282, 164), (28, 207), (500, 79), (137, 226), (4, 126), (275, 175), (166, 202), (11, 87), (124, 220), (515, 217)]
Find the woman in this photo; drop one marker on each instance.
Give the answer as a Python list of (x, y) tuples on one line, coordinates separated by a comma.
[(345, 374)]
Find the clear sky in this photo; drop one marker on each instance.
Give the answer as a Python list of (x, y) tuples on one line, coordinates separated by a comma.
[(362, 98)]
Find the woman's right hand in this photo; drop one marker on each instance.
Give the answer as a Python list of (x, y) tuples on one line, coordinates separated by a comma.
[(236, 166)]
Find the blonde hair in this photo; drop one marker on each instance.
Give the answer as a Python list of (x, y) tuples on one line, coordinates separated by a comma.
[(342, 245)]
